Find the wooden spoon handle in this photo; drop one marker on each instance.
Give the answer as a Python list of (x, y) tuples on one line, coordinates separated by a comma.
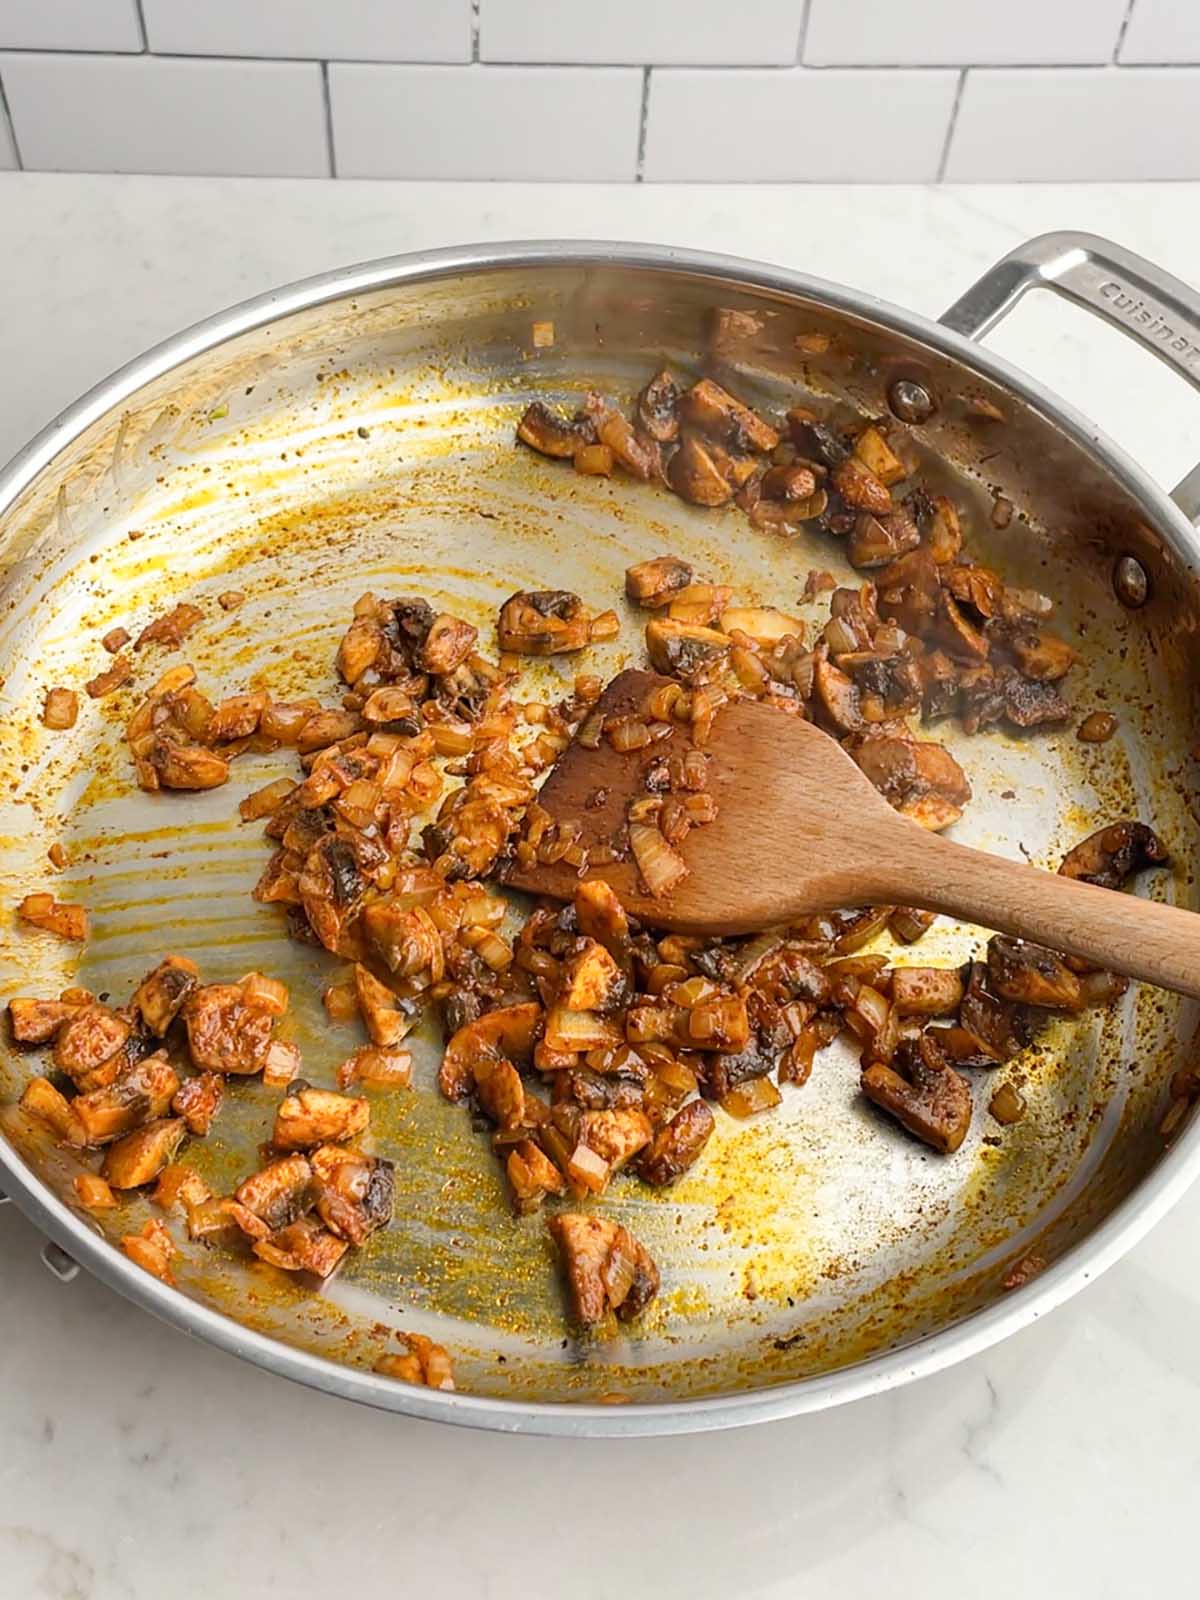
[(1125, 934)]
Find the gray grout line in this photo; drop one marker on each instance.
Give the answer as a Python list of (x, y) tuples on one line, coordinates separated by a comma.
[(803, 39), (330, 146), (6, 117), (1124, 28), (643, 119), (950, 127)]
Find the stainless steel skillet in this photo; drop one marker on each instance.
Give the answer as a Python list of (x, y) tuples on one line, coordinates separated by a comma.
[(354, 432)]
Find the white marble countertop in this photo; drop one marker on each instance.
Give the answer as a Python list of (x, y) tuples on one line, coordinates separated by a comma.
[(135, 1464)]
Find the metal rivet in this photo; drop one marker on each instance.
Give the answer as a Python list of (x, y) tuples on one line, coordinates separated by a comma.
[(1130, 582), (910, 401), (63, 1266)]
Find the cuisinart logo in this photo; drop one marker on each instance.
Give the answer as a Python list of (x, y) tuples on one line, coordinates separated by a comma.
[(1151, 319)]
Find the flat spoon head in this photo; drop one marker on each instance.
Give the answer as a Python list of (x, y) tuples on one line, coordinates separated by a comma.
[(798, 829)]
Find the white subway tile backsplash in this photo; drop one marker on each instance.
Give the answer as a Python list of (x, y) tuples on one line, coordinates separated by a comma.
[(643, 32), (1077, 123), (960, 32), (826, 127), (69, 25), (485, 122), (148, 114), (355, 30), (1163, 31)]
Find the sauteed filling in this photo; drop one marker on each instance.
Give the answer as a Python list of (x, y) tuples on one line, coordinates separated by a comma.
[(590, 1046)]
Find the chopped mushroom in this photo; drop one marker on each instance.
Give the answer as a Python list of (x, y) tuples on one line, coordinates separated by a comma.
[(508, 1032), (924, 1094), (141, 1092), (302, 1246), (1113, 854), (1032, 975), (695, 472), (926, 991), (677, 1145), (87, 1040), (161, 993), (140, 1156), (1001, 1028), (714, 411), (279, 1192), (542, 622), (37, 1021), (197, 1101), (922, 780), (605, 1267), (225, 1032), (170, 629), (658, 409), (655, 583), (353, 1192), (553, 435), (308, 1117)]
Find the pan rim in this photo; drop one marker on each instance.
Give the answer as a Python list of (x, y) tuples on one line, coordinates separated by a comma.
[(1129, 1221)]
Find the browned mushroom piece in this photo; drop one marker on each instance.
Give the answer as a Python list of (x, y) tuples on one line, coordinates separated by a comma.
[(956, 634), (921, 779), (715, 412), (860, 488), (926, 991), (159, 997), (653, 584), (878, 540), (1030, 704), (447, 645), (197, 1101), (697, 472), (37, 1021), (923, 1092), (532, 1175), (508, 1032), (279, 1192), (225, 1034), (682, 649), (140, 1156), (978, 589), (1001, 1028), (678, 1145), (553, 435), (90, 1039), (591, 979), (605, 1267), (307, 1117), (186, 766), (908, 591), (790, 482), (331, 887), (1039, 655), (353, 1191), (616, 1135), (658, 408), (235, 718), (542, 622), (1114, 853), (302, 1246), (640, 456), (141, 1092), (838, 696), (1032, 975)]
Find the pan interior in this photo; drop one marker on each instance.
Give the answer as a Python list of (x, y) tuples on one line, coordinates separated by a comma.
[(368, 445)]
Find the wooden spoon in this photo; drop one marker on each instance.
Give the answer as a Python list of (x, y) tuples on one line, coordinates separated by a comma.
[(799, 829)]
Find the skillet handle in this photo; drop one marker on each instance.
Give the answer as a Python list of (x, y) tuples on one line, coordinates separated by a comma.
[(1158, 310)]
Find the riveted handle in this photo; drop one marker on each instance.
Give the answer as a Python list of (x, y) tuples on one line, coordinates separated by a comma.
[(1158, 310)]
